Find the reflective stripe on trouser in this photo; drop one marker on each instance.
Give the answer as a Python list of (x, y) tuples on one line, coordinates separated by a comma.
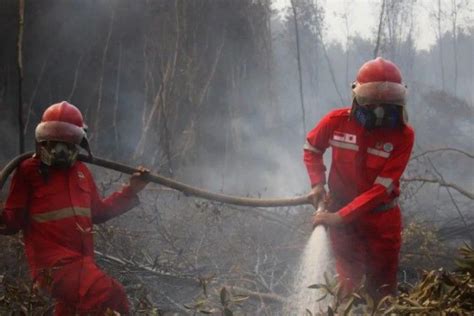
[(61, 214), (81, 288)]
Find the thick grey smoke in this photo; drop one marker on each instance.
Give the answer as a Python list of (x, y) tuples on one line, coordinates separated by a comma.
[(207, 92)]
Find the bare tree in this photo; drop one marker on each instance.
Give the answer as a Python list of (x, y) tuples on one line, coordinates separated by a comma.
[(379, 32), (316, 25), (346, 16), (21, 21), (460, 9), (396, 24), (298, 58), (439, 17), (105, 51)]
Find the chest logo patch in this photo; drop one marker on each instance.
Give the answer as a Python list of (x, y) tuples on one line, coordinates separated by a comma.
[(345, 137), (80, 175), (388, 147)]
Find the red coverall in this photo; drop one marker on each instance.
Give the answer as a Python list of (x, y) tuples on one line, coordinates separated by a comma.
[(363, 188), (56, 216)]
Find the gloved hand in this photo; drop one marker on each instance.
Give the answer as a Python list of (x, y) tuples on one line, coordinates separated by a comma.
[(138, 181), (326, 219), (316, 195)]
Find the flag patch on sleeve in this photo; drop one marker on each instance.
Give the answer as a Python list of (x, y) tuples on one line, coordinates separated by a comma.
[(345, 137)]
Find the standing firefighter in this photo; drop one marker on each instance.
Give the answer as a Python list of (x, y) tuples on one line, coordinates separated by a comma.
[(54, 200), (371, 144)]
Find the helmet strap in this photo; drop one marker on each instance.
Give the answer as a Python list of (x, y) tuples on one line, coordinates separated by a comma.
[(85, 145), (43, 168), (393, 117), (44, 155), (44, 171)]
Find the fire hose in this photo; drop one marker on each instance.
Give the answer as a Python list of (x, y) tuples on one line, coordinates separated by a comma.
[(155, 178)]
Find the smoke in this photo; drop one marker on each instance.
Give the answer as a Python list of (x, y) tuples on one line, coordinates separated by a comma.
[(220, 90)]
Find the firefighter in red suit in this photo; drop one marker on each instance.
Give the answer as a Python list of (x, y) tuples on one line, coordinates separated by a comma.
[(53, 199), (371, 144)]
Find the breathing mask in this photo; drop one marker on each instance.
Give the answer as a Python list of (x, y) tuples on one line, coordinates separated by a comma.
[(58, 154), (381, 115)]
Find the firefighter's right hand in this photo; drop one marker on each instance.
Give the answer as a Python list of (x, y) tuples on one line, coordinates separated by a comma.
[(138, 180), (316, 195)]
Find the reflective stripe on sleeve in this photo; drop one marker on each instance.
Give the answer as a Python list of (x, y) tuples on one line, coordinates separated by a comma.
[(386, 182), (344, 145), (310, 147), (62, 214), (377, 152)]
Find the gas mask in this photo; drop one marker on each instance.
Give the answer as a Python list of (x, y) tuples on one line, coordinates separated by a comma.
[(58, 154), (372, 116)]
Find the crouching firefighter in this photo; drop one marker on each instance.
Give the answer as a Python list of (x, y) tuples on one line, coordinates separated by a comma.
[(371, 144), (53, 199)]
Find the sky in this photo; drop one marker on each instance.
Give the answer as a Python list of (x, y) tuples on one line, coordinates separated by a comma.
[(364, 15)]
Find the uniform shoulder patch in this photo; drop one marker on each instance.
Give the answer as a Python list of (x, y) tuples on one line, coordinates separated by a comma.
[(344, 137), (388, 147)]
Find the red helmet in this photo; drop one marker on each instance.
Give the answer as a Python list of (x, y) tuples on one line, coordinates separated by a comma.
[(379, 81), (379, 69), (61, 122)]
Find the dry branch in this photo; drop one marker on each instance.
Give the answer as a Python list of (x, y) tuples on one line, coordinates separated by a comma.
[(441, 183), (441, 150), (259, 295), (139, 266)]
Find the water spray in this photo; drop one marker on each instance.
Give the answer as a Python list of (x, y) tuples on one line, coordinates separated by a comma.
[(315, 268)]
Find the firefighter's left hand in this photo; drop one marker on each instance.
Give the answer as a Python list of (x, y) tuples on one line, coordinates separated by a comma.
[(138, 181), (326, 219)]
